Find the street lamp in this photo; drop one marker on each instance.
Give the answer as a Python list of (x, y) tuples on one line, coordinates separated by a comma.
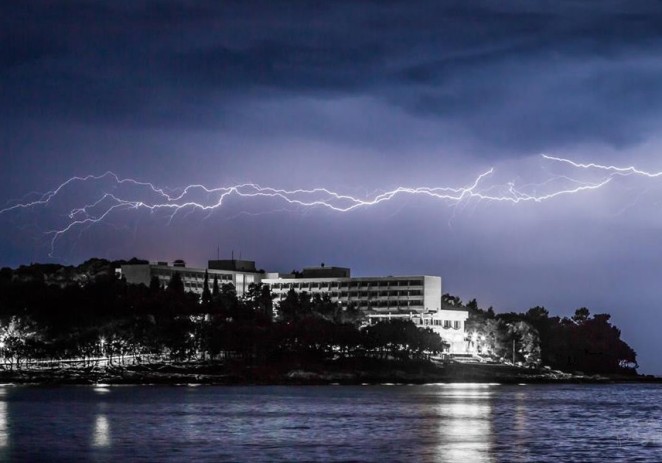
[(102, 343), (192, 336)]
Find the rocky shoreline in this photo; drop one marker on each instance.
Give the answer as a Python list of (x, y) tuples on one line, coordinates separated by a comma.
[(229, 373)]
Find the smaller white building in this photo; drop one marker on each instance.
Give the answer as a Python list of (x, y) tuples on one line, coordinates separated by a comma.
[(447, 323)]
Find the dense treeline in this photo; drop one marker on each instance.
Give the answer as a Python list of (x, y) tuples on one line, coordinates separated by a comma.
[(50, 312), (586, 343)]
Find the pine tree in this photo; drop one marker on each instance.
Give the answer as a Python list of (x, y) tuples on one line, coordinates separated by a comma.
[(206, 294), (215, 289)]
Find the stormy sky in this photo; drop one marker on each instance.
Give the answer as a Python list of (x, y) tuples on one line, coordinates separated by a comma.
[(359, 97)]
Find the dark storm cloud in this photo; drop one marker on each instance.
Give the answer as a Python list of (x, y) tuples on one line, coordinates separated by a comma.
[(356, 96), (524, 75)]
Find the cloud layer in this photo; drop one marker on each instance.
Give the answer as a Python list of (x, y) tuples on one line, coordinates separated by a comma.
[(359, 97)]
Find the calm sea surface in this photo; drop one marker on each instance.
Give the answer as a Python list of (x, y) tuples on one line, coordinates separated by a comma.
[(455, 423)]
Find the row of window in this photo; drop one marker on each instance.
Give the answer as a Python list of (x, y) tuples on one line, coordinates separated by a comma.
[(392, 305), (167, 274), (348, 284), (383, 303), (446, 324), (365, 294)]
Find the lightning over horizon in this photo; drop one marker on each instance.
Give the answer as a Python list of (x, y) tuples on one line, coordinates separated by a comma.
[(509, 147), (152, 198)]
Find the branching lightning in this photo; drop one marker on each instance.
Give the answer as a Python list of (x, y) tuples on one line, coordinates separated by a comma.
[(631, 170), (146, 196)]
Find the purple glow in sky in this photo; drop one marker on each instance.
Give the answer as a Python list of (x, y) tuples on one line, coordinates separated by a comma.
[(358, 98)]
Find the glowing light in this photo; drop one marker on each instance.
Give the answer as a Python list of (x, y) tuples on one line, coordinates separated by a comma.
[(101, 436), (465, 431), (147, 196)]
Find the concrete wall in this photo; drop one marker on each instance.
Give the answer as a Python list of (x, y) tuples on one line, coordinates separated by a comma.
[(432, 293)]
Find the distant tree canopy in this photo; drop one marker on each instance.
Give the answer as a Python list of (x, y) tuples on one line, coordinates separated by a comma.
[(53, 312), (581, 343)]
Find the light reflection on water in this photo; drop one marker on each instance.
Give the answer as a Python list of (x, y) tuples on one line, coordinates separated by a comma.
[(101, 436), (4, 433), (520, 427), (464, 423), (440, 423)]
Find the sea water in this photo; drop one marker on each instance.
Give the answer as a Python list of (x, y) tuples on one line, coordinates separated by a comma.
[(431, 423)]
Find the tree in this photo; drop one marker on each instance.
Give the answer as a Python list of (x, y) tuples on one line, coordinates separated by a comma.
[(288, 308), (206, 294), (452, 301), (537, 313), (259, 299), (527, 342), (176, 285), (324, 307), (229, 301), (267, 302), (154, 284), (581, 315), (16, 334), (352, 315), (215, 289)]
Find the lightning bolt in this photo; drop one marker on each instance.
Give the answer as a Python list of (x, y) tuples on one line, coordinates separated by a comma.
[(631, 170), (154, 199)]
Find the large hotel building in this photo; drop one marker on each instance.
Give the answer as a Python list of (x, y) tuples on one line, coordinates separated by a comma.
[(417, 298)]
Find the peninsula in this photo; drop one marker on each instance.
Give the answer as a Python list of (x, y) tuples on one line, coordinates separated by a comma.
[(88, 324)]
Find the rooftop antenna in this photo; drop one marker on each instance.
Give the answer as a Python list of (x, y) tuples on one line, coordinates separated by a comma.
[(218, 252)]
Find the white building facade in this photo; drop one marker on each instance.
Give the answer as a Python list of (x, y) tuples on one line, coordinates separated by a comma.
[(416, 298), (193, 278)]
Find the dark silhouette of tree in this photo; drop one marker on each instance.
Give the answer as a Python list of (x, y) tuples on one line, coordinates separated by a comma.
[(155, 284), (206, 293), (402, 339), (472, 305), (229, 302), (288, 309), (449, 300), (176, 285), (56, 312), (352, 315), (215, 289), (259, 299), (581, 315)]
